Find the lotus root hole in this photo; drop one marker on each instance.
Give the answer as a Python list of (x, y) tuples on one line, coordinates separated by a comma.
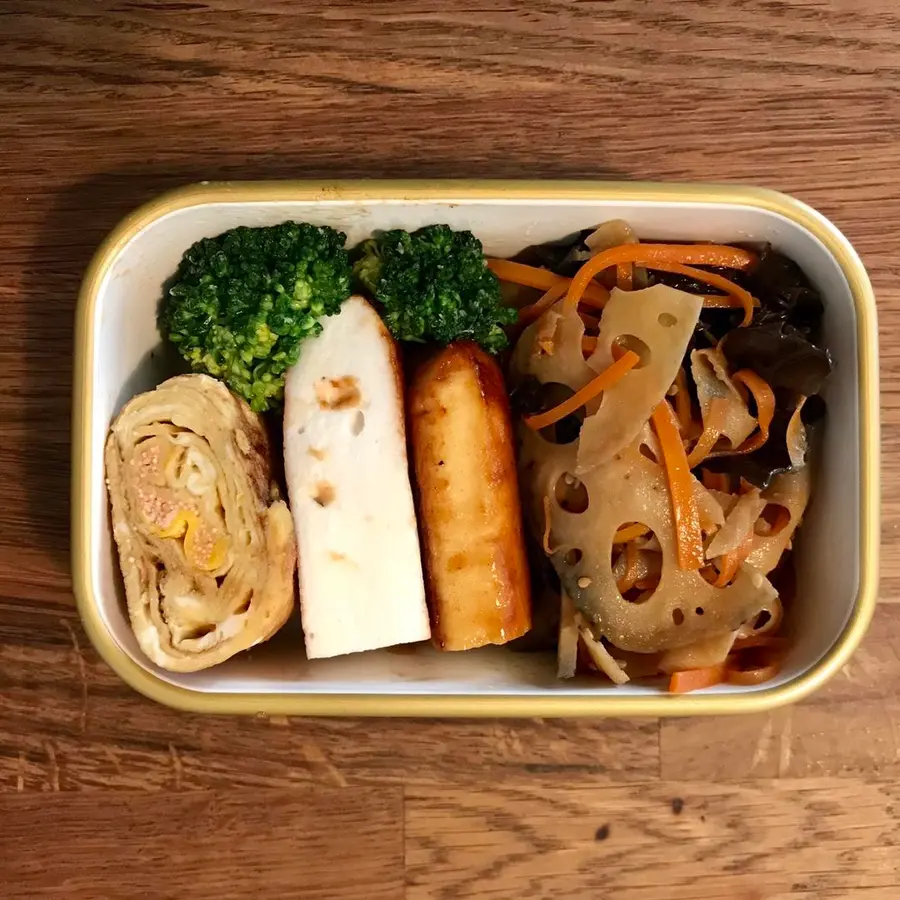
[(567, 429), (639, 583), (573, 557), (647, 452), (636, 345), (571, 494)]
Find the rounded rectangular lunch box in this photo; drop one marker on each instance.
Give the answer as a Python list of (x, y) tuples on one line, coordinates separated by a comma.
[(118, 353)]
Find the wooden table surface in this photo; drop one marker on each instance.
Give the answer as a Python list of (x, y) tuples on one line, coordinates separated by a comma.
[(103, 105)]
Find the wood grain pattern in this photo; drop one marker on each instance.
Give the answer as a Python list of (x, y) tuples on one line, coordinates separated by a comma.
[(104, 104), (289, 843), (677, 840), (851, 726)]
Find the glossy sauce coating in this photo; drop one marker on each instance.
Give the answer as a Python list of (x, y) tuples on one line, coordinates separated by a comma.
[(468, 498)]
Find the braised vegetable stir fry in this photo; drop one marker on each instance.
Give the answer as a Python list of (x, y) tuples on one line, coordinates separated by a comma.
[(664, 395)]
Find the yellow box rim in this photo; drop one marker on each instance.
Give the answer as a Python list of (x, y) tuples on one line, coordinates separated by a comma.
[(546, 705)]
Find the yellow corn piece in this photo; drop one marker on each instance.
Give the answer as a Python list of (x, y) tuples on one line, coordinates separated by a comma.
[(181, 522), (216, 555), (201, 550), (188, 525)]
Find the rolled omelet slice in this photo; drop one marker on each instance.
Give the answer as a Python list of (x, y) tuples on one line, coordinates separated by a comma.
[(206, 549)]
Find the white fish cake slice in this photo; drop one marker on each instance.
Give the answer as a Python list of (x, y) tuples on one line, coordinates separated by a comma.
[(360, 571)]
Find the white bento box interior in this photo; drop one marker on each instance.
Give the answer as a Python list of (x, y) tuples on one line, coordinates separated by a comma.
[(129, 358)]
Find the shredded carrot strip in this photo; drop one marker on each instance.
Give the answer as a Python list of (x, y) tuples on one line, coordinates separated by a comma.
[(770, 529), (624, 276), (770, 524), (760, 670), (626, 582), (683, 402), (730, 671), (542, 279), (712, 431), (744, 298), (603, 382), (765, 411), (695, 679), (596, 295), (588, 344), (710, 301), (685, 514), (731, 562), (709, 574), (670, 258), (629, 533), (753, 676), (593, 303), (528, 314), (536, 310), (704, 445)]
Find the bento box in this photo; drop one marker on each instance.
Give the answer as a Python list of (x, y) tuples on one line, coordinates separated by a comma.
[(118, 353)]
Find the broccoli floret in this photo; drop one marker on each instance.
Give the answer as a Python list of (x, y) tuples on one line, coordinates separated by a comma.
[(434, 284), (241, 303)]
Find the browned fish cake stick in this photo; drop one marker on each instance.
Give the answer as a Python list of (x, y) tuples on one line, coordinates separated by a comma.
[(468, 498)]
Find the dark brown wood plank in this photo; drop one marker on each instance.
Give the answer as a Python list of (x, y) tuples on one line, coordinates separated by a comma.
[(287, 843)]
